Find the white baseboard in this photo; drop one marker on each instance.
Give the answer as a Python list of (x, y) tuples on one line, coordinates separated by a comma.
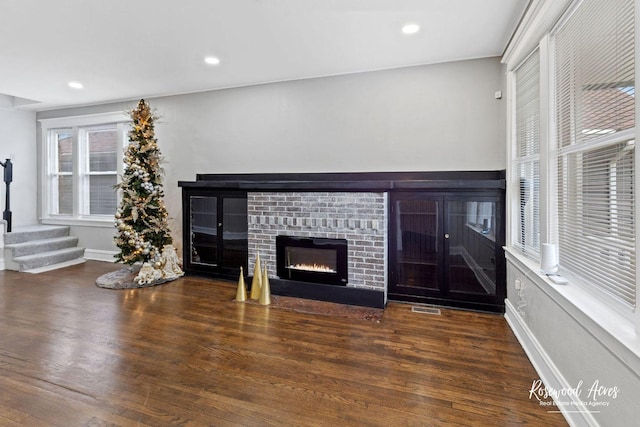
[(546, 368), (100, 255)]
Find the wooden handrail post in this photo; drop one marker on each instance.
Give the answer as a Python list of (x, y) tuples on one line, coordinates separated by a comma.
[(8, 177)]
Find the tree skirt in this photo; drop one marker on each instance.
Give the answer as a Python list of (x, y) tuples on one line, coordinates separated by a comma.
[(124, 279)]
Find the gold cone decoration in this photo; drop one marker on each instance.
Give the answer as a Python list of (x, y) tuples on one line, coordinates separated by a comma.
[(256, 282), (265, 292), (241, 293)]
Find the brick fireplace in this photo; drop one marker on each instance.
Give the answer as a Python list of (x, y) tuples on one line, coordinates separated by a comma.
[(360, 218)]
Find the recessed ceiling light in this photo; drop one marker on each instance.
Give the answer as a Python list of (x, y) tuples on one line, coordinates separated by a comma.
[(76, 85), (411, 28), (211, 60)]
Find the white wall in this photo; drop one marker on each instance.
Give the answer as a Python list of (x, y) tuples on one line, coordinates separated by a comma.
[(569, 349), (18, 142), (425, 118)]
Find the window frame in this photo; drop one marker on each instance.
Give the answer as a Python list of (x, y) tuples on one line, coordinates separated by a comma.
[(617, 331), (578, 298), (78, 127)]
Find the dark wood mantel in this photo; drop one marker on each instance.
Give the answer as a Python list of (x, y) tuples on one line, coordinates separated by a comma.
[(351, 181)]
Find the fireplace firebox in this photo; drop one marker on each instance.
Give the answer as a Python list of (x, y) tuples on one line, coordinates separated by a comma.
[(314, 260)]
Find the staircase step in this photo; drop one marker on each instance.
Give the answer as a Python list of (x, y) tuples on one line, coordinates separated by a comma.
[(35, 232), (46, 259), (55, 266), (39, 246)]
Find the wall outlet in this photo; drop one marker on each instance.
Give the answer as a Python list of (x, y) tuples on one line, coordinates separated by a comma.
[(518, 284)]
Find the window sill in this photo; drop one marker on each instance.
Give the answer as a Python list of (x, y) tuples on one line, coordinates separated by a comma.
[(101, 222), (615, 331)]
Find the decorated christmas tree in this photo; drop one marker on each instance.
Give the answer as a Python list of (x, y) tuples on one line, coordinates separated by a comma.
[(142, 219)]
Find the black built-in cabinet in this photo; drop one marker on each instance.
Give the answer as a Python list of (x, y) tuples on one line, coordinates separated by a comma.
[(215, 232), (446, 230), (446, 248)]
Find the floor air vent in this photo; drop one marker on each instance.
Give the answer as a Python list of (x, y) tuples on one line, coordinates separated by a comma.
[(426, 310)]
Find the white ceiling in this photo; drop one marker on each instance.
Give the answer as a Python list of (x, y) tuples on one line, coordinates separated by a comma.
[(126, 49)]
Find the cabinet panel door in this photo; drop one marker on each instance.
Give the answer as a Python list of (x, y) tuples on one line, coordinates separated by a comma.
[(471, 247), (234, 233), (446, 248), (204, 230), (417, 245)]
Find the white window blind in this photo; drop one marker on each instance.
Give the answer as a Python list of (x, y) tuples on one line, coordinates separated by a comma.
[(61, 171), (595, 113), (527, 155), (102, 148)]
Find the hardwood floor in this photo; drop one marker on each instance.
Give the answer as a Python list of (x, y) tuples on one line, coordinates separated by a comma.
[(184, 353)]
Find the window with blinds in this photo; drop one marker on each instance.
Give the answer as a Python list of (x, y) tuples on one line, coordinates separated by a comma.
[(595, 120), (527, 155), (82, 163), (61, 175), (103, 148)]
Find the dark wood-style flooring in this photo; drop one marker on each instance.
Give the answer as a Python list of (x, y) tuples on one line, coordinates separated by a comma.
[(184, 353)]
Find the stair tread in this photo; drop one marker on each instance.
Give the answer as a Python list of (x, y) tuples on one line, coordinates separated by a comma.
[(48, 254), (25, 234), (40, 242), (35, 228), (49, 267)]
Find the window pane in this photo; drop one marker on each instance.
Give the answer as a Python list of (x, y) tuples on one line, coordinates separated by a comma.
[(527, 156), (528, 239), (596, 218), (528, 107), (607, 110), (65, 195), (595, 99), (595, 71), (65, 152), (103, 150), (102, 195)]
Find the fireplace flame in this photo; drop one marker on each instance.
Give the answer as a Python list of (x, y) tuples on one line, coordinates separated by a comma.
[(312, 267)]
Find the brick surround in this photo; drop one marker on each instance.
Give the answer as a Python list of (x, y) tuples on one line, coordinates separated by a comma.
[(358, 217)]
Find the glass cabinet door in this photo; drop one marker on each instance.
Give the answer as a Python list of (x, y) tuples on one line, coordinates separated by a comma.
[(471, 246), (204, 230), (234, 232), (218, 229), (446, 248), (417, 226)]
